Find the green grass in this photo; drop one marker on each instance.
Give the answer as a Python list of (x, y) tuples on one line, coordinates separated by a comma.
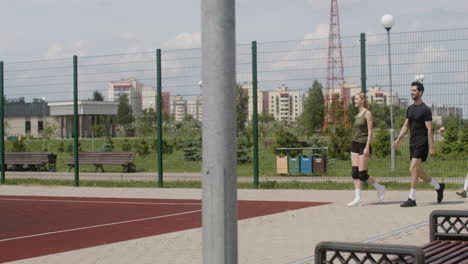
[(197, 184), (174, 162)]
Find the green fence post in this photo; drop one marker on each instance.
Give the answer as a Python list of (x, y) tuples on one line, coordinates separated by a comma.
[(159, 116), (255, 113), (363, 76), (2, 142), (75, 121), (363, 63)]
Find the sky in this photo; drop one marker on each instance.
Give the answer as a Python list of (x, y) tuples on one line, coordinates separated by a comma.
[(50, 29), (55, 29)]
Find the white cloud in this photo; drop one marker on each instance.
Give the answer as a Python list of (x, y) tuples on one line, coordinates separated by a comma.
[(321, 31), (128, 36), (184, 40), (55, 51), (60, 50)]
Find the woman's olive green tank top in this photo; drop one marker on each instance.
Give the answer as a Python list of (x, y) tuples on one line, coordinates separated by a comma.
[(360, 131)]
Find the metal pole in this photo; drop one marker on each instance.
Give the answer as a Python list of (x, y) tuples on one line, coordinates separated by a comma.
[(255, 113), (43, 123), (392, 132), (159, 116), (219, 132), (75, 121), (2, 128), (363, 64)]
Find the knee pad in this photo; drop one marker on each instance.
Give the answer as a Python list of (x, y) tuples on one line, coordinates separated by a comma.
[(355, 173), (363, 176)]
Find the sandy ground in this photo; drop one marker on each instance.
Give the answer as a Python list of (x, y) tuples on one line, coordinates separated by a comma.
[(288, 237)]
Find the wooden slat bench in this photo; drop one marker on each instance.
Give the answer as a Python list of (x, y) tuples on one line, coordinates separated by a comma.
[(448, 245), (98, 159), (34, 160)]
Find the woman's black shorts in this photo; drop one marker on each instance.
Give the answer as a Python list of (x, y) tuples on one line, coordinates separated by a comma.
[(357, 147)]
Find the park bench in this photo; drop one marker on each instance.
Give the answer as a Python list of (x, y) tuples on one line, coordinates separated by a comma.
[(98, 159), (448, 245), (33, 160)]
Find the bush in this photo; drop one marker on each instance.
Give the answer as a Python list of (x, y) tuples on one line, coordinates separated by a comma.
[(69, 148), (61, 147), (126, 146), (19, 145), (317, 141), (381, 145), (166, 147), (142, 148), (285, 139), (455, 142)]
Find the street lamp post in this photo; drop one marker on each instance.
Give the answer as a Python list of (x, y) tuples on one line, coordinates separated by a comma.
[(43, 122), (388, 21)]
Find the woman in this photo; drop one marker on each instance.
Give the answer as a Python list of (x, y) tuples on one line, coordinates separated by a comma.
[(361, 150)]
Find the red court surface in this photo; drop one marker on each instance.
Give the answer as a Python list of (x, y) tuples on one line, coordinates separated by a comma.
[(32, 226)]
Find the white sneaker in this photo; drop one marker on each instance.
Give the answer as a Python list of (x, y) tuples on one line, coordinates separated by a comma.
[(355, 202), (381, 194)]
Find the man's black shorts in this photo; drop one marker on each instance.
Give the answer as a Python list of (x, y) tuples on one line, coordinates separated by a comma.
[(419, 152), (357, 147)]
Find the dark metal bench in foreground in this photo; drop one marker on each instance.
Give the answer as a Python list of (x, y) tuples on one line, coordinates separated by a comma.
[(33, 160), (448, 245), (98, 159)]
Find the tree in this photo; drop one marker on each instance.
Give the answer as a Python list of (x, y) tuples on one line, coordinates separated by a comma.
[(336, 109), (241, 108), (340, 141), (19, 145), (125, 117), (108, 145), (265, 118), (352, 112), (97, 96), (192, 149), (147, 123), (50, 130), (243, 146), (312, 117)]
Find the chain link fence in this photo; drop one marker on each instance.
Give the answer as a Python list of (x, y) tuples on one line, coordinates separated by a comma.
[(117, 110)]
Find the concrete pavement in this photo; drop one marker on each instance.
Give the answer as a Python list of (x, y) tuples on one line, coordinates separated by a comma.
[(288, 237)]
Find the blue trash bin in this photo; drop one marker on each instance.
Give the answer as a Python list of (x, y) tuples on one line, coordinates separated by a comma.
[(306, 165)]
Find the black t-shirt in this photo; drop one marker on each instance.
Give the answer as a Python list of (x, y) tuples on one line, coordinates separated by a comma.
[(417, 116)]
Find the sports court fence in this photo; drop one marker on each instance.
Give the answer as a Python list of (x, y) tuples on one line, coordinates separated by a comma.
[(122, 102)]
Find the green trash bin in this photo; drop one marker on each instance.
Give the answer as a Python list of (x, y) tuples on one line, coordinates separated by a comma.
[(294, 164)]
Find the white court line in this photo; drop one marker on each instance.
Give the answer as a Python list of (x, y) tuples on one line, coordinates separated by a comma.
[(95, 226), (102, 202), (385, 235)]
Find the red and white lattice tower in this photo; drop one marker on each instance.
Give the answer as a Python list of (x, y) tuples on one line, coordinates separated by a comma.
[(335, 71)]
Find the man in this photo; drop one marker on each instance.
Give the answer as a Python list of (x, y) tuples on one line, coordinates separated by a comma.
[(463, 192), (419, 121)]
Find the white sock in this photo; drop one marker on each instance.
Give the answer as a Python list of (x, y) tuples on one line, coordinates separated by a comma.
[(466, 185), (378, 186), (412, 194), (358, 194), (435, 184)]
